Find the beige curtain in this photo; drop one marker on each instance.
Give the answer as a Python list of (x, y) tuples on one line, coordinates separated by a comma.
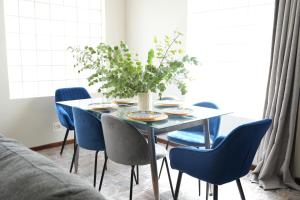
[(282, 99)]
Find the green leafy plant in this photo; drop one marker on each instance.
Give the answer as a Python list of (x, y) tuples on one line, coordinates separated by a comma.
[(120, 73)]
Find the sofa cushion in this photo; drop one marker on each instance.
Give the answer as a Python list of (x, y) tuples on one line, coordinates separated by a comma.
[(27, 175)]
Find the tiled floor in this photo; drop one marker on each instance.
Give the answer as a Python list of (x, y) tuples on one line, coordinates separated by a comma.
[(117, 177)]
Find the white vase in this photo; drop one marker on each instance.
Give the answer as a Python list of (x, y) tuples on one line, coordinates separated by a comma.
[(144, 101)]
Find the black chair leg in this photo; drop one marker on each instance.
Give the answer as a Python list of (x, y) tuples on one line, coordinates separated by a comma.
[(162, 163), (75, 142), (136, 175), (215, 192), (73, 159), (178, 185), (131, 182), (169, 176), (95, 168), (161, 167), (64, 142), (207, 190), (238, 182), (199, 187), (103, 171)]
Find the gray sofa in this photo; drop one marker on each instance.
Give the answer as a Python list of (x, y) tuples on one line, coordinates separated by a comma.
[(27, 175)]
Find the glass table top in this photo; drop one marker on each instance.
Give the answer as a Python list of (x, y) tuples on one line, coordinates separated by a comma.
[(196, 116)]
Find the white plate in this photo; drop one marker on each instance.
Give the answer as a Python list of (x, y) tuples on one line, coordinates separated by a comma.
[(168, 103), (102, 106), (178, 111)]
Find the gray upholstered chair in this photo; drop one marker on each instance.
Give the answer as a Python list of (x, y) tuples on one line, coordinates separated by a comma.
[(127, 146)]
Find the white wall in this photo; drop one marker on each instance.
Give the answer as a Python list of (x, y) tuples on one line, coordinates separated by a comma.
[(30, 120)]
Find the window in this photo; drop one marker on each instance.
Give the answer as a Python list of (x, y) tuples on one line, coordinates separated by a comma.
[(38, 33), (232, 40)]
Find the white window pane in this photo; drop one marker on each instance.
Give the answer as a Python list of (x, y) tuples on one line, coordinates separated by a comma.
[(15, 90), (15, 74), (43, 42), (57, 12), (57, 28), (11, 7), (43, 27), (30, 89), (58, 43), (44, 73), (58, 58), (30, 74), (83, 15), (26, 8), (29, 58), (27, 26), (70, 14), (38, 33), (42, 10), (82, 4), (12, 24), (95, 30), (13, 41), (45, 88), (13, 57), (94, 16), (44, 58), (28, 41), (95, 4)]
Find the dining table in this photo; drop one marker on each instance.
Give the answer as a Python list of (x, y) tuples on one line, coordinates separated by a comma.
[(197, 116)]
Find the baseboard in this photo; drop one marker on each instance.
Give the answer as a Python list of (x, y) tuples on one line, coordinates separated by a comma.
[(51, 145)]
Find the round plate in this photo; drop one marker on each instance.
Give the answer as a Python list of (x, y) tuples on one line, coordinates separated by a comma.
[(124, 102), (102, 106), (147, 116), (168, 103), (179, 111)]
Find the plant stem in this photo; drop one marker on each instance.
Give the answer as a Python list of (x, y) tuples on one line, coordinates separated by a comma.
[(168, 48)]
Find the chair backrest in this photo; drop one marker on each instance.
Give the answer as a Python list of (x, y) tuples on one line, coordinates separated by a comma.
[(236, 152), (66, 94), (124, 143), (214, 123), (88, 130)]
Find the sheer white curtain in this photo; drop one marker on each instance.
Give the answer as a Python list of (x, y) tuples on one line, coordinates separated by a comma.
[(232, 40)]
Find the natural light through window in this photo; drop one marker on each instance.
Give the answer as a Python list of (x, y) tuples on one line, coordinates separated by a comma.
[(38, 33), (232, 40)]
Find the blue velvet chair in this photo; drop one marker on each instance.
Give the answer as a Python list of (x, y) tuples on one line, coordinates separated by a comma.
[(64, 113), (89, 134), (229, 159), (195, 136)]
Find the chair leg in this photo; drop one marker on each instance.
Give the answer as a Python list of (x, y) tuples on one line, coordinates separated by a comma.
[(207, 190), (73, 159), (215, 192), (136, 176), (169, 176), (95, 168), (178, 185), (162, 163), (131, 182), (161, 167), (199, 187), (103, 171), (64, 142), (238, 182)]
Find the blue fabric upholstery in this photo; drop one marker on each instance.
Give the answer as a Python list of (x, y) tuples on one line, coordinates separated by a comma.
[(195, 136), (88, 130), (230, 159), (64, 113)]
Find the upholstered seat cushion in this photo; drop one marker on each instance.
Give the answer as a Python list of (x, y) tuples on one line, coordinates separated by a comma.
[(189, 138), (27, 175)]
